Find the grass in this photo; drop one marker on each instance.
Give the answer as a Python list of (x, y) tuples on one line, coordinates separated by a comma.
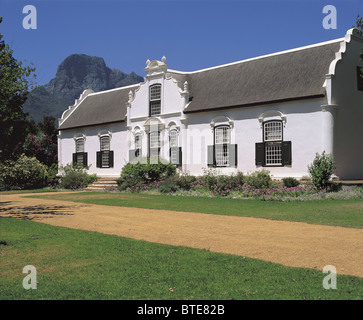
[(41, 190), (344, 213), (76, 264)]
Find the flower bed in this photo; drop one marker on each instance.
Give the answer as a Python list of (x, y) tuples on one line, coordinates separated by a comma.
[(256, 185)]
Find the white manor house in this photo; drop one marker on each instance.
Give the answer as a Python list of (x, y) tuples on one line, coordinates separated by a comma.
[(271, 112)]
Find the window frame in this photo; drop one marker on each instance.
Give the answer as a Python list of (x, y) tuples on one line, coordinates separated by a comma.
[(153, 100), (138, 144), (174, 149), (105, 152), (149, 143), (273, 143), (225, 146), (80, 156)]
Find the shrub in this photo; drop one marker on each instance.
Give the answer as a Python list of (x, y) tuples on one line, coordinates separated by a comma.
[(321, 170), (52, 178), (290, 182), (259, 179), (24, 173), (225, 184), (74, 176), (144, 172), (185, 181), (209, 178), (168, 186)]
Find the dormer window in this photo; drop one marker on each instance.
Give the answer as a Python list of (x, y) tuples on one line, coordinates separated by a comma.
[(155, 100)]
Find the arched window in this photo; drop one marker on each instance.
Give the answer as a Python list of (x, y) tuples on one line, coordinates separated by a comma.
[(154, 143), (80, 156), (221, 145), (222, 153), (272, 136), (273, 151), (105, 155), (155, 100)]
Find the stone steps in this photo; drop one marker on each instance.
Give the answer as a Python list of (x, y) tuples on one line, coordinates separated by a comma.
[(102, 184)]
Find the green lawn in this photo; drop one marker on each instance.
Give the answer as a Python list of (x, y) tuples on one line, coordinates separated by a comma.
[(75, 264), (345, 213)]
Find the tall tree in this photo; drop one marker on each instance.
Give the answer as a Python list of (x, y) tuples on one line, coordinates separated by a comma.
[(16, 81), (41, 141)]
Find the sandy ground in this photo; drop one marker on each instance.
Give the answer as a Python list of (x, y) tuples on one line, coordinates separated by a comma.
[(289, 243)]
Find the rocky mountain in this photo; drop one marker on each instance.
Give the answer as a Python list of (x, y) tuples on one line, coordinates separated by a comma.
[(75, 74)]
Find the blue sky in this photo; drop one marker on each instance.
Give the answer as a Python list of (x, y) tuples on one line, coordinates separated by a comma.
[(192, 34)]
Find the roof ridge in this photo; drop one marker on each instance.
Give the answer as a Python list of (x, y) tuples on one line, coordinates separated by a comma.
[(259, 57), (114, 89)]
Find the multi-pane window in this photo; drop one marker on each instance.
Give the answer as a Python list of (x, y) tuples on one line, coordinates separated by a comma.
[(138, 145), (272, 131), (80, 145), (154, 143), (174, 150), (155, 99), (272, 135), (104, 157), (80, 150), (105, 151), (221, 142), (80, 156), (273, 151)]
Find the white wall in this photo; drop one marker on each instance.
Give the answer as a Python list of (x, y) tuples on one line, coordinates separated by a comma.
[(118, 144), (348, 151), (303, 128)]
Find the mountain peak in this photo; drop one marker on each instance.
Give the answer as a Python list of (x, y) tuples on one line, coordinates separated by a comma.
[(76, 73)]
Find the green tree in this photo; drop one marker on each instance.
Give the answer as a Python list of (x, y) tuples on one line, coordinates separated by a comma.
[(41, 141), (16, 81), (321, 170)]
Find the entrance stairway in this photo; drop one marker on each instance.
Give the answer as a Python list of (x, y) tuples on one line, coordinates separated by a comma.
[(102, 184)]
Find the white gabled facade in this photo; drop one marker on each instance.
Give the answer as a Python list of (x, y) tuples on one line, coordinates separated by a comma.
[(280, 136)]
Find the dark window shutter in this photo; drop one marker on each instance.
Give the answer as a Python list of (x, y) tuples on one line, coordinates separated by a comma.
[(211, 161), (98, 159), (178, 151), (85, 159), (260, 154), (180, 159), (74, 158), (110, 160), (232, 155), (286, 153)]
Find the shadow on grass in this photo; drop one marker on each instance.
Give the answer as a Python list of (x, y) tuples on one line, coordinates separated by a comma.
[(31, 212)]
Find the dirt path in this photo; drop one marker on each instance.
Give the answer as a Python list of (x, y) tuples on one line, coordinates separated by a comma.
[(289, 243)]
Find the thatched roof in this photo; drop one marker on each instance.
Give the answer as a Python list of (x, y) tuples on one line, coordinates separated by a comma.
[(282, 77), (99, 108), (291, 75)]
